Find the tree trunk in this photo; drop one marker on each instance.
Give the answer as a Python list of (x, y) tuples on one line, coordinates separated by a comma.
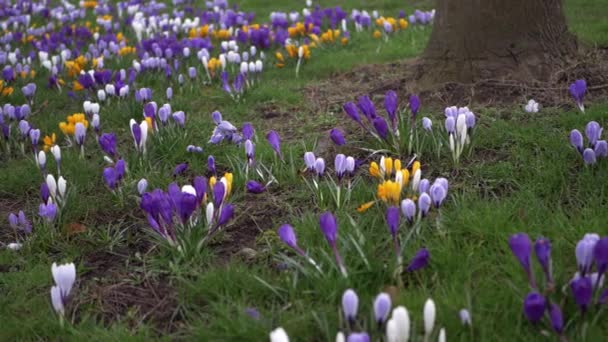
[(497, 39)]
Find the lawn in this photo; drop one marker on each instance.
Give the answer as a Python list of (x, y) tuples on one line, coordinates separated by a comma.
[(518, 174)]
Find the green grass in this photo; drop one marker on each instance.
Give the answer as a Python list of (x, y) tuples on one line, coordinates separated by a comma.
[(521, 176)]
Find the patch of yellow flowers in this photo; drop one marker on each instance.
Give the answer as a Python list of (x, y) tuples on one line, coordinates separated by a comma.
[(69, 127), (5, 91), (394, 178)]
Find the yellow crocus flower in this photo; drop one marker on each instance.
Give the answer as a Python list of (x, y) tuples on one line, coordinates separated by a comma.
[(365, 206)]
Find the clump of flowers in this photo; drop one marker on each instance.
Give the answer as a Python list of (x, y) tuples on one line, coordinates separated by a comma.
[(64, 277), (344, 171), (174, 212), (68, 127), (595, 148), (541, 306), (460, 125)]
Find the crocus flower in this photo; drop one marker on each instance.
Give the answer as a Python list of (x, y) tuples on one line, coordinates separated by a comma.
[(584, 252), (424, 204), (542, 249), (593, 131), (419, 261), (358, 337), (392, 219), (142, 185), (582, 291), (531, 106), (398, 326), (390, 105), (275, 142), (329, 227), (427, 124), (557, 319), (320, 166), (601, 149), (450, 124), (351, 110), (382, 307), (226, 214), (429, 313), (279, 335), (248, 131), (211, 165), (13, 221), (80, 133), (309, 160), (288, 236), (34, 137), (350, 303), (41, 159), (600, 254), (255, 187), (414, 105), (576, 140), (48, 211), (250, 151), (408, 208), (380, 127), (438, 194), (219, 191), (64, 277), (179, 118), (337, 137), (107, 142), (465, 317), (180, 169), (578, 90), (521, 246), (534, 307), (110, 176)]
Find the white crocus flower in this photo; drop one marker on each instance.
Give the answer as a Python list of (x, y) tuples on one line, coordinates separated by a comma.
[(429, 316), (279, 335), (51, 183)]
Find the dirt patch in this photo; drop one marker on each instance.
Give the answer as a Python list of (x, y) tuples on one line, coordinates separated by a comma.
[(118, 286), (401, 76), (258, 213)]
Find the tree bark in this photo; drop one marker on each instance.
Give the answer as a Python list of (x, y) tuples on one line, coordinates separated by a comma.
[(497, 39)]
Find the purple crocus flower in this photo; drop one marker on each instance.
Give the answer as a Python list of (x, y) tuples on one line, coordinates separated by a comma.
[(185, 206), (424, 186), (600, 254), (414, 105), (107, 142), (24, 127), (408, 208), (582, 291), (48, 211), (180, 169), (275, 142), (390, 105), (578, 90), (584, 252), (26, 225), (419, 261), (542, 249), (381, 127), (329, 227), (450, 124), (320, 166), (337, 137), (576, 140), (253, 313), (248, 131), (350, 304), (288, 236), (13, 221), (521, 246), (593, 131), (392, 219), (250, 151), (601, 149), (557, 319), (226, 214), (424, 204), (110, 176), (309, 160), (179, 118), (534, 307), (367, 107), (255, 187), (34, 137), (211, 165), (80, 133), (219, 190), (382, 307), (45, 193), (352, 111), (358, 337), (438, 194), (169, 93)]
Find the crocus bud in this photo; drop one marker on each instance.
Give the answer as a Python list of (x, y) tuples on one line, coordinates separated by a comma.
[(398, 327), (255, 187), (419, 261), (593, 131), (350, 303), (576, 140), (64, 277), (465, 317), (534, 307), (56, 151), (382, 306), (589, 156), (209, 211), (424, 204), (408, 208), (52, 185), (429, 313), (542, 249), (142, 185), (427, 124), (600, 254), (582, 291), (557, 319), (337, 137), (309, 160), (442, 337), (584, 252), (521, 246), (320, 166), (41, 159), (61, 186), (279, 335)]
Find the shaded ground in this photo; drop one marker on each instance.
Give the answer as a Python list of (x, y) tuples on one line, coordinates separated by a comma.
[(401, 76)]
